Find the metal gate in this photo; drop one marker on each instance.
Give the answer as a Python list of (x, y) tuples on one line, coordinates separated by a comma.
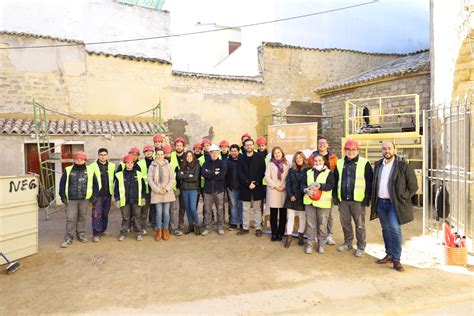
[(448, 165)]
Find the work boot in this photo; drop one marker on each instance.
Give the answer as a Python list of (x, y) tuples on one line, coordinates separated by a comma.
[(158, 235), (398, 266), (288, 241), (344, 247), (258, 233), (359, 253), (197, 230), (166, 234), (82, 239), (66, 243), (189, 230), (279, 237), (232, 227), (301, 239), (320, 249), (384, 260), (308, 249), (243, 232)]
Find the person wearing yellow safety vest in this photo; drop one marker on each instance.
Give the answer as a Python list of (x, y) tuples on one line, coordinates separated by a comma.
[(144, 165), (129, 195), (161, 178), (104, 171), (262, 145), (317, 210), (353, 176), (178, 210), (197, 150), (78, 187)]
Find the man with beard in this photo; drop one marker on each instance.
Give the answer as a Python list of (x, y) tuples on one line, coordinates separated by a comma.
[(177, 207)]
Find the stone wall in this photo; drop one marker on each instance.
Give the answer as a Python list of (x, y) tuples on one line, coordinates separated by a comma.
[(333, 103)]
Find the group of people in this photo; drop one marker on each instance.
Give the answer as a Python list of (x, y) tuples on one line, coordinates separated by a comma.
[(159, 189)]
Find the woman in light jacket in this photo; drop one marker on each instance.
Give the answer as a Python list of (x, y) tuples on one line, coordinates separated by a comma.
[(275, 175), (161, 178)]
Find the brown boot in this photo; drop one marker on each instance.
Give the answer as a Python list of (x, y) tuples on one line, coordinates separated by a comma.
[(301, 239), (398, 266), (158, 235), (243, 232), (288, 241), (384, 260), (166, 234)]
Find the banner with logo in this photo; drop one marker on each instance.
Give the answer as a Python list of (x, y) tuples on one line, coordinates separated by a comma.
[(293, 137)]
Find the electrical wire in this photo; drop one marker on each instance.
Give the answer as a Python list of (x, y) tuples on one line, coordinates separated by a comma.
[(198, 32)]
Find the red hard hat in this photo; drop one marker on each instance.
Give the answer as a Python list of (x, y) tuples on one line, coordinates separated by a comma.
[(246, 136), (134, 150), (224, 143), (167, 149), (80, 155), (129, 158), (316, 195), (205, 141), (148, 148), (198, 145), (157, 138), (178, 140), (261, 140), (350, 143)]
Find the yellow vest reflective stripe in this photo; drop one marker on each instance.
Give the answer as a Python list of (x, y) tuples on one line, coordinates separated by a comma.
[(174, 164), (110, 170), (90, 176), (121, 187), (264, 181), (359, 185), (144, 171), (201, 160), (326, 196)]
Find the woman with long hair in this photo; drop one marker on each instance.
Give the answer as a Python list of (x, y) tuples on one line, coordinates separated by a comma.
[(294, 197), (189, 177), (276, 173)]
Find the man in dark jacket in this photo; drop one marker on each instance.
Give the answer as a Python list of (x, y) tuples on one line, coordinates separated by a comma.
[(353, 177), (393, 187), (213, 171), (233, 185), (251, 169), (78, 187)]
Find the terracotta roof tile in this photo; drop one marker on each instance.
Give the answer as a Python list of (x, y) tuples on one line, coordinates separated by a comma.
[(20, 126)]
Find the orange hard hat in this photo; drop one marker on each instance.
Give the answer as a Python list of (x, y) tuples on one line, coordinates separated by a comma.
[(157, 138), (129, 158), (350, 143), (316, 195), (80, 155), (167, 149), (261, 140), (198, 145)]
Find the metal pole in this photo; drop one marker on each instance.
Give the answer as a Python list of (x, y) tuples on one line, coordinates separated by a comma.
[(425, 171)]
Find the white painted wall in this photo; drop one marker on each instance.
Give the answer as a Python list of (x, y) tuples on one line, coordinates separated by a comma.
[(450, 24), (91, 21)]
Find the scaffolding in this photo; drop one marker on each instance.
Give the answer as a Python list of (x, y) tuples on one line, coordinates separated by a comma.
[(46, 150)]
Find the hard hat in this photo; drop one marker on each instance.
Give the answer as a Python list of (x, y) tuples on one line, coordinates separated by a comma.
[(224, 143), (129, 158), (80, 155), (205, 141), (157, 138), (316, 195), (167, 149), (179, 140), (148, 148), (214, 147), (350, 143), (261, 140), (134, 150), (198, 145), (245, 136)]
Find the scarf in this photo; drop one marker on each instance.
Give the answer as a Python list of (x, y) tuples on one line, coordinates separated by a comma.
[(280, 165), (160, 173)]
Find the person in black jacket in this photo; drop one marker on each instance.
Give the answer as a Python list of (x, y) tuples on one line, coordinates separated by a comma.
[(294, 198), (78, 186), (213, 171), (393, 187), (251, 169), (189, 175), (233, 184)]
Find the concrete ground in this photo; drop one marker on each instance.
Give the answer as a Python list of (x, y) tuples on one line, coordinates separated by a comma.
[(231, 275)]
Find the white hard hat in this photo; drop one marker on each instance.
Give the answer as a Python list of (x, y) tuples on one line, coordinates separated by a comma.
[(214, 147)]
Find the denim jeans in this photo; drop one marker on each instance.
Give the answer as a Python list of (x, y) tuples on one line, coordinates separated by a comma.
[(162, 211), (391, 229), (236, 207), (190, 198)]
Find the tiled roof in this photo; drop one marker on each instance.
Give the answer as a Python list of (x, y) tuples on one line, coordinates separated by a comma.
[(280, 45), (14, 126), (397, 67), (213, 76), (130, 57), (22, 34)]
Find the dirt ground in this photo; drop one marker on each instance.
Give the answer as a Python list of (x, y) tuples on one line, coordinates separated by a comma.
[(231, 275)]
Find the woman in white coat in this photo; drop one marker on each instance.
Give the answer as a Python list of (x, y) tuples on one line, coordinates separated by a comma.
[(275, 175)]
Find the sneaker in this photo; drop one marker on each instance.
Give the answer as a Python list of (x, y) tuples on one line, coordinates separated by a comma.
[(96, 238), (232, 227), (308, 249), (205, 232), (220, 231), (145, 232), (121, 238), (321, 249), (344, 247), (82, 239), (177, 232), (106, 234), (359, 253), (330, 241), (139, 238), (66, 243)]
